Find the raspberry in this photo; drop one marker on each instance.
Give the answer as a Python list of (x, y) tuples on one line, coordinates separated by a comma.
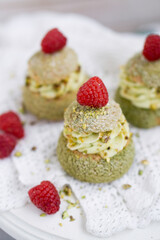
[(10, 123), (45, 197), (151, 50), (7, 144), (53, 41), (93, 93)]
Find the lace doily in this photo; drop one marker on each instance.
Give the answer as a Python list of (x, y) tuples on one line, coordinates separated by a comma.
[(108, 207)]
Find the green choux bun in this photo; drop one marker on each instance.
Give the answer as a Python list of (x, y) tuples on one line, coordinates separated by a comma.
[(91, 167), (139, 69), (139, 117), (43, 108)]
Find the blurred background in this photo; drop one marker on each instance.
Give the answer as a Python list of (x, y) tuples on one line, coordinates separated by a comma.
[(120, 15)]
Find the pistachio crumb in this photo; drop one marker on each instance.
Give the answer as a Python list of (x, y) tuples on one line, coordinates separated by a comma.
[(48, 169), (34, 148), (145, 162), (60, 224), (140, 172), (43, 214), (153, 106), (83, 197), (126, 186), (99, 188), (106, 206), (47, 161), (67, 191), (32, 123), (18, 154), (137, 134), (21, 110), (71, 218), (65, 215), (62, 195), (71, 204)]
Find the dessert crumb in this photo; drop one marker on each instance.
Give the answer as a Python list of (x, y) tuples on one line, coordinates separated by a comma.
[(145, 162), (140, 172), (126, 186), (43, 214), (18, 154)]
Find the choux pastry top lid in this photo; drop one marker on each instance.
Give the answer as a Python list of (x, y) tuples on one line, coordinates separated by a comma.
[(144, 67), (55, 61), (139, 69), (52, 68), (88, 119)]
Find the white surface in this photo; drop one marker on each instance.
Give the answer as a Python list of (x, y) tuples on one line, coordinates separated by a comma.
[(101, 52)]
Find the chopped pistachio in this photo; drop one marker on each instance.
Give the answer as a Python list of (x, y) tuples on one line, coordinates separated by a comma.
[(83, 197), (47, 161), (33, 123), (67, 191), (126, 186), (43, 214), (71, 218), (22, 110), (106, 206), (153, 106), (145, 162), (18, 154), (140, 172), (137, 134), (71, 204), (60, 224), (34, 148), (65, 215), (48, 169), (99, 188), (62, 195)]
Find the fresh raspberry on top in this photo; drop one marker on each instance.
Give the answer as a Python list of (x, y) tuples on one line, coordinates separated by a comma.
[(45, 197), (7, 144), (10, 123), (53, 41), (151, 50), (93, 93)]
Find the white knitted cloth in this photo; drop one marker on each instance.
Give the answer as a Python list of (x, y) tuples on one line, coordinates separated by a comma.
[(101, 52)]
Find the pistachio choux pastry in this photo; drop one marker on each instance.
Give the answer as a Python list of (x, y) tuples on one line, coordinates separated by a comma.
[(139, 90), (96, 145), (53, 79)]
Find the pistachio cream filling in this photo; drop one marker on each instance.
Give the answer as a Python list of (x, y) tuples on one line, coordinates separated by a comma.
[(70, 84), (139, 94), (106, 144)]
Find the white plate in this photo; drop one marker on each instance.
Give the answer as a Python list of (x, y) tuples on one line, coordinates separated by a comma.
[(26, 224)]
